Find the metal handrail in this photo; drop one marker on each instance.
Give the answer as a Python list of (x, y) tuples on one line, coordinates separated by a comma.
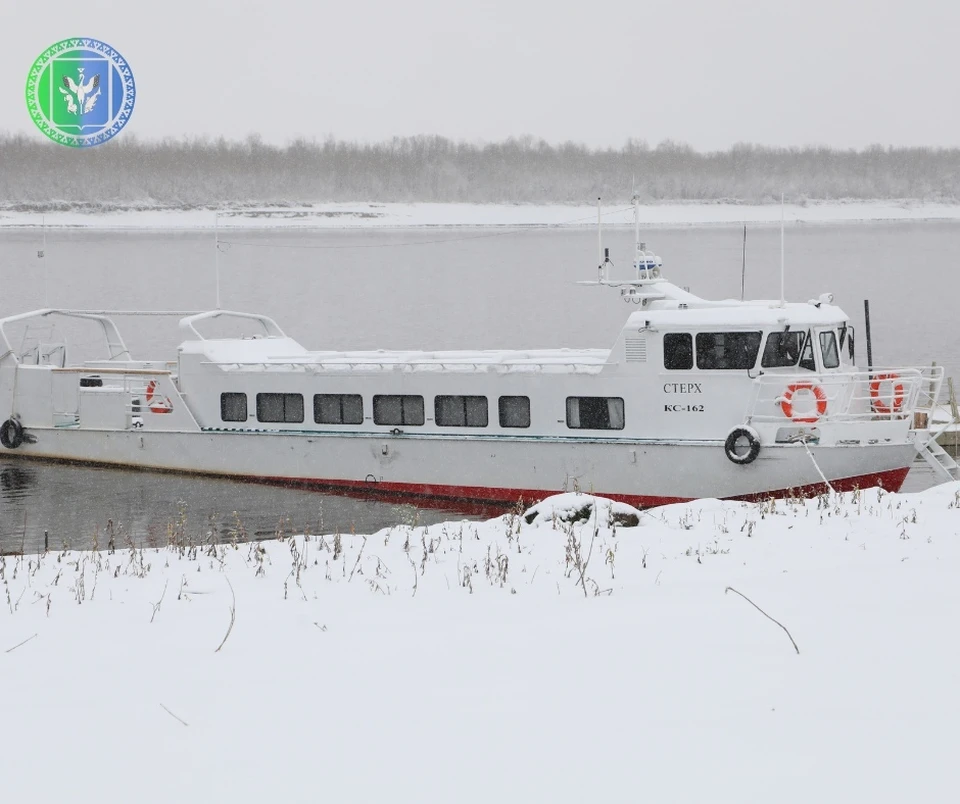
[(849, 396), (115, 345), (391, 366), (188, 324), (503, 368), (95, 371)]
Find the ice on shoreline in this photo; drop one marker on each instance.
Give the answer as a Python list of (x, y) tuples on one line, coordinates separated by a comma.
[(498, 661), (398, 216)]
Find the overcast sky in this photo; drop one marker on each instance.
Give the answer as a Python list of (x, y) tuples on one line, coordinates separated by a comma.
[(707, 72)]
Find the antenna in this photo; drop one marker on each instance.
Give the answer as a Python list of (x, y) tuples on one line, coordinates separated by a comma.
[(783, 300), (216, 247), (599, 242), (636, 232), (743, 267), (42, 254)]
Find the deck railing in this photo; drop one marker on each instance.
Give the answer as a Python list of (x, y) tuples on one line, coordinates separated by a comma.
[(879, 394), (132, 383), (544, 366)]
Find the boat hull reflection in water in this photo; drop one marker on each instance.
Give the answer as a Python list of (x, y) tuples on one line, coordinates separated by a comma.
[(78, 505)]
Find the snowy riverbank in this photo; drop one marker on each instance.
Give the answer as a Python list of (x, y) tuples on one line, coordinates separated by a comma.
[(372, 215), (499, 661)]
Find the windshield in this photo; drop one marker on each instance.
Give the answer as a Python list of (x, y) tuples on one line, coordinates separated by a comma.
[(782, 349), (828, 349)]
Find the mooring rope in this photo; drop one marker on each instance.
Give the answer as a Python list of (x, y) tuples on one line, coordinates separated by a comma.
[(819, 470)]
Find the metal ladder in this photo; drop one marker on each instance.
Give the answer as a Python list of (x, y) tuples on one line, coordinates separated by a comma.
[(944, 466)]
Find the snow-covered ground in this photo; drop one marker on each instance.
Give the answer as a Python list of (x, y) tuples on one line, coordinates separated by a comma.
[(499, 661), (373, 215)]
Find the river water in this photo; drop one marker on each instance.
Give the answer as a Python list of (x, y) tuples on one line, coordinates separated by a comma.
[(421, 289)]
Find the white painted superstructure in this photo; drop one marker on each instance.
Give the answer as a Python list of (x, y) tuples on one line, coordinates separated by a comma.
[(696, 398)]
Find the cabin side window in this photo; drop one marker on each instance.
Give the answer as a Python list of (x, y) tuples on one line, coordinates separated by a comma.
[(782, 349), (678, 351), (460, 411), (285, 408), (514, 411), (233, 407), (727, 350), (828, 349), (595, 413), (338, 408), (398, 409)]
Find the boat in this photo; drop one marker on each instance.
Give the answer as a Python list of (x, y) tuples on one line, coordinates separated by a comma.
[(695, 398)]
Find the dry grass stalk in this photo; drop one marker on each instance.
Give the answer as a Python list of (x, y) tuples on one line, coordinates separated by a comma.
[(731, 589), (233, 618)]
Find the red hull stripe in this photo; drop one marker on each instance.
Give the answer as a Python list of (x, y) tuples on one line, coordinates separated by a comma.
[(480, 499)]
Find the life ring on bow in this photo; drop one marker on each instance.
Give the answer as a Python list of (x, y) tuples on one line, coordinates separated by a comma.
[(878, 403), (156, 403), (786, 401)]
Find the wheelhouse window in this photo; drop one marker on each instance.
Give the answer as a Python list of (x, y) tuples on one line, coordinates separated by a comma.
[(338, 408), (678, 351), (727, 350), (806, 356), (398, 409), (595, 413), (514, 411), (828, 349), (284, 408), (233, 407), (846, 339), (460, 411), (782, 349)]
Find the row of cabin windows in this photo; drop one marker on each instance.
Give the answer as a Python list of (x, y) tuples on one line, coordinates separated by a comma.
[(583, 412), (739, 350)]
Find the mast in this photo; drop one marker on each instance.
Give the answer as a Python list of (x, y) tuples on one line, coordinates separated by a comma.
[(636, 233), (783, 298), (743, 266), (216, 251)]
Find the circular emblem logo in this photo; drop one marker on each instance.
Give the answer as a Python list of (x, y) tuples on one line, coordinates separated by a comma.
[(80, 92)]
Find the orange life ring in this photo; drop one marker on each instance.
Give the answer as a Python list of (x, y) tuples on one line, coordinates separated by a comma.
[(896, 402), (157, 404), (786, 401)]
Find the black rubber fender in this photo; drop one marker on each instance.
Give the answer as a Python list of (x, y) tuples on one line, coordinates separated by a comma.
[(733, 446), (11, 434)]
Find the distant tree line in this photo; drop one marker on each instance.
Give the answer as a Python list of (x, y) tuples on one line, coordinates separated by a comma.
[(128, 172)]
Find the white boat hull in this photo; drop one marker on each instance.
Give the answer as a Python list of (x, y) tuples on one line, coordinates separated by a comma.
[(479, 469)]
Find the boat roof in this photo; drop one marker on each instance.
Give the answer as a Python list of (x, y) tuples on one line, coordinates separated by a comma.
[(664, 306), (251, 350), (272, 354), (734, 314)]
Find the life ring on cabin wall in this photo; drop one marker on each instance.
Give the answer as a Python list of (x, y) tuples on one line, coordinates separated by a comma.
[(156, 403), (786, 402), (11, 434), (878, 403)]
